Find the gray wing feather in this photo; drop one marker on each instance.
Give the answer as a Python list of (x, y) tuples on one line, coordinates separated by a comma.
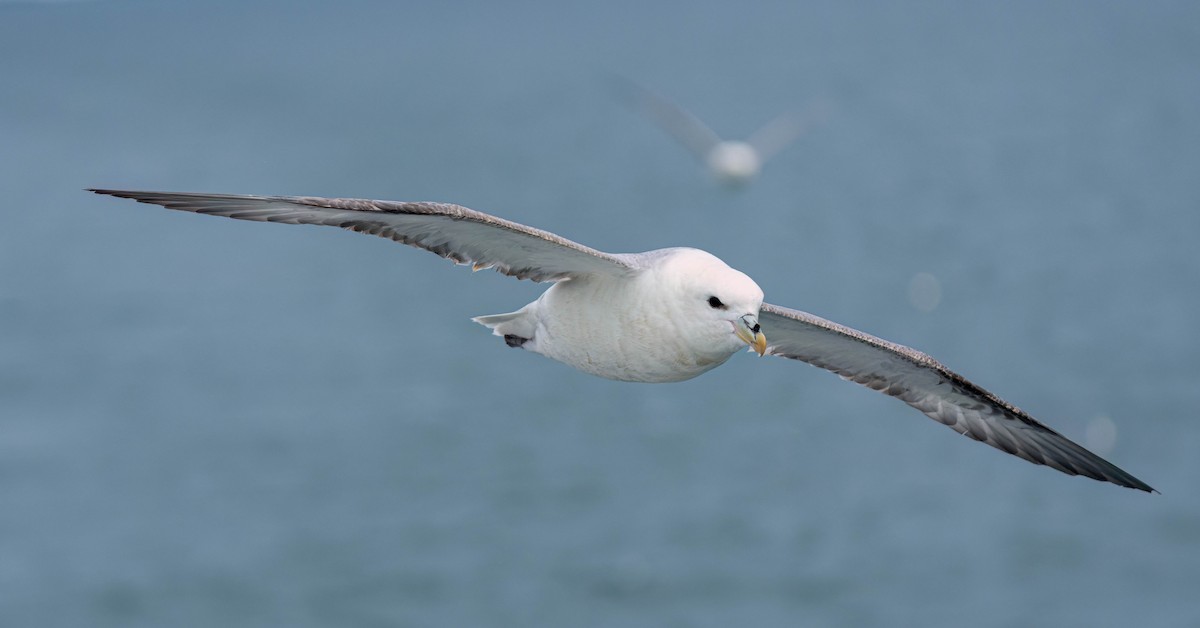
[(675, 120), (927, 385), (777, 134), (463, 235)]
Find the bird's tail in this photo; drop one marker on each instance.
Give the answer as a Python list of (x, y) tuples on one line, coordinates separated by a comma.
[(515, 327)]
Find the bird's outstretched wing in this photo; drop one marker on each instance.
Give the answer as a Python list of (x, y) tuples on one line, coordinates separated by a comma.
[(923, 383), (777, 135), (681, 124), (463, 235)]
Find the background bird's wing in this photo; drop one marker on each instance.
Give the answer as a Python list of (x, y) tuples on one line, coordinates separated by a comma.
[(779, 133), (682, 125), (451, 231), (923, 383)]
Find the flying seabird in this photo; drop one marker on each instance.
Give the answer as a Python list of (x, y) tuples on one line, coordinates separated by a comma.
[(732, 162), (661, 316)]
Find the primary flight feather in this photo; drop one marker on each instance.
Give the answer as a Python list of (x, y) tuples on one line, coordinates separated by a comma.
[(661, 316)]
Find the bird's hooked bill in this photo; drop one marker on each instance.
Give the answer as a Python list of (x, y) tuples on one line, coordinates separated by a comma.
[(749, 332)]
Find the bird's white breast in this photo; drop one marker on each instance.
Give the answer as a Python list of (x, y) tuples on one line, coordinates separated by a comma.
[(734, 162), (641, 328), (614, 330)]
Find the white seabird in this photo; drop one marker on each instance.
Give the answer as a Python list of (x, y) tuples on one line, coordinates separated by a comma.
[(732, 162), (661, 316)]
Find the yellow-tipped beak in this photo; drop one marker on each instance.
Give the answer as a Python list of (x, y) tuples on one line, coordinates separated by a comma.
[(760, 343), (752, 337)]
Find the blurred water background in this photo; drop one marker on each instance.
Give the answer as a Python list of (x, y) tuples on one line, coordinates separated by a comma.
[(212, 423)]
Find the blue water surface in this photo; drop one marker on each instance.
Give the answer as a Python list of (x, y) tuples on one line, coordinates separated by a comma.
[(215, 423)]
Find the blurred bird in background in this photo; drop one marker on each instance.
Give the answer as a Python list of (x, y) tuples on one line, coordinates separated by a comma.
[(732, 162)]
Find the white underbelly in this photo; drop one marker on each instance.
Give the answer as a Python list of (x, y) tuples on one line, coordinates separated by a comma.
[(614, 341)]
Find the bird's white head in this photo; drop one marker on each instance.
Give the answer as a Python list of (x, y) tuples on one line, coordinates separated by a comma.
[(716, 305)]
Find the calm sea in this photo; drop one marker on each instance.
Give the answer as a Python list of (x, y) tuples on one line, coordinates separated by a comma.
[(212, 423)]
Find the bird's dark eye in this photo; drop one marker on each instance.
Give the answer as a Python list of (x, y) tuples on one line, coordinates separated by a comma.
[(715, 303)]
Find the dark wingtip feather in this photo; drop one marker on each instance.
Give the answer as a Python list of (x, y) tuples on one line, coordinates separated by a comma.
[(1140, 485), (117, 193)]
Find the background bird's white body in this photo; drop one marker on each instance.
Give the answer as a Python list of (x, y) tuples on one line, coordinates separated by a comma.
[(734, 162), (731, 162)]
